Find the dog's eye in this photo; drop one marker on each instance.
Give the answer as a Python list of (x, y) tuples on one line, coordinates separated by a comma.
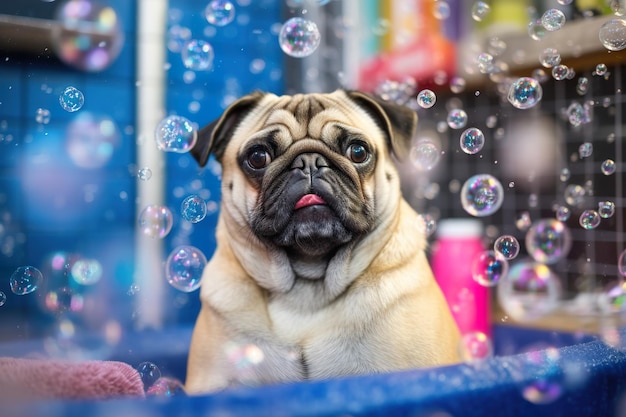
[(258, 158), (357, 153)]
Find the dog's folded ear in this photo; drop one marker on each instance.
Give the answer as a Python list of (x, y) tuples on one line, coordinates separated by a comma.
[(212, 138), (398, 122)]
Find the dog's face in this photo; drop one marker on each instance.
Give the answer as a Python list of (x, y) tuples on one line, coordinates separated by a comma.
[(308, 173)]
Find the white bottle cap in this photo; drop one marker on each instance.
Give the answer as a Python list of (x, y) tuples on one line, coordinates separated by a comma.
[(459, 228)]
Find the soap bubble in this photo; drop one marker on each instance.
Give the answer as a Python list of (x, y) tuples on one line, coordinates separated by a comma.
[(42, 116), (621, 263), (523, 221), (176, 134), (177, 37), (585, 150), (536, 30), (299, 37), (197, 55), (62, 300), (475, 346), (183, 268), (441, 10), (457, 84), (565, 175), (426, 99), (601, 69), (149, 374), (548, 241), (90, 140), (485, 63), (582, 86), (612, 34), (480, 10), (525, 93), (589, 219), (3, 298), (156, 221), (507, 246), (553, 20), (71, 99), (219, 12), (529, 291), (430, 225), (562, 213), (574, 195), (606, 209), (542, 391), (608, 167), (457, 118), (166, 387), (550, 57), (425, 154), (144, 174), (89, 36), (87, 271), (489, 268), (25, 280), (560, 72), (193, 208), (482, 195), (472, 140), (575, 114)]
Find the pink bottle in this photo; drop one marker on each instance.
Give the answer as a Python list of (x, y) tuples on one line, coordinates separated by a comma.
[(459, 243)]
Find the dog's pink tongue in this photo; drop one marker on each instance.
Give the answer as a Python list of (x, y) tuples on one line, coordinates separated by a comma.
[(309, 200)]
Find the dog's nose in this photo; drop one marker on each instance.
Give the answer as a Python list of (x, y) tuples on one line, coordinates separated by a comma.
[(309, 163)]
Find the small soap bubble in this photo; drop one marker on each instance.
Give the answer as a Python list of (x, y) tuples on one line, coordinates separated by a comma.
[(87, 271), (536, 30), (475, 346), (608, 167), (166, 387), (525, 93), (565, 175), (553, 20), (530, 290), (25, 280), (489, 268), (42, 116), (472, 140), (156, 221), (457, 118), (299, 37), (3, 298), (457, 85), (542, 391), (612, 34), (425, 154), (492, 121), (563, 213), (176, 134), (480, 10), (606, 209), (560, 72), (548, 241), (507, 246), (550, 57), (601, 69), (177, 37), (523, 221), (430, 225), (574, 194), (426, 99), (193, 209), (197, 55), (482, 195), (144, 174), (183, 268), (71, 99), (133, 289), (589, 219), (149, 374), (621, 263), (486, 63), (585, 150), (582, 86), (441, 10), (219, 12)]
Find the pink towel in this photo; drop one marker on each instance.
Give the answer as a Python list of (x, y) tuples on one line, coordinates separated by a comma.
[(44, 379)]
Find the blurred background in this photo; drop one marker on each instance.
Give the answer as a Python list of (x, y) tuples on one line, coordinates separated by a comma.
[(96, 197)]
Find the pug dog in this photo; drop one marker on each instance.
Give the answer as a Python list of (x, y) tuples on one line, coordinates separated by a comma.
[(320, 268)]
